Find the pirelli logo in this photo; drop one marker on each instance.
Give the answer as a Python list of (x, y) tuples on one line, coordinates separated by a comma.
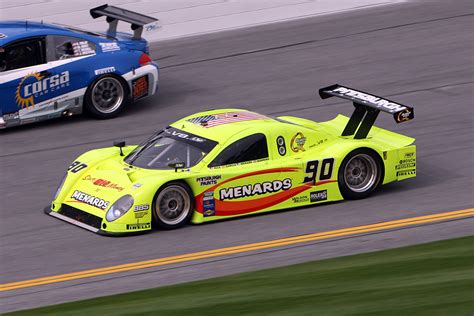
[(138, 226), (406, 173)]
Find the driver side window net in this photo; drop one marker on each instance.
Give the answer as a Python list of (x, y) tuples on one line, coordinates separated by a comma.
[(253, 147)]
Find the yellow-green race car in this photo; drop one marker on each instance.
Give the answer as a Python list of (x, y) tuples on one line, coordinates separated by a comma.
[(231, 162)]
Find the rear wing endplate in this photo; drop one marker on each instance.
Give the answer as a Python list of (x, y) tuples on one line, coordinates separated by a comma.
[(114, 14), (367, 108)]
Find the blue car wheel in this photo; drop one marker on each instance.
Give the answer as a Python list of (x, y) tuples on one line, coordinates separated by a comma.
[(106, 97)]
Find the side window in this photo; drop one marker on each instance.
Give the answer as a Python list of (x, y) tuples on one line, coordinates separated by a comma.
[(249, 148), (22, 54), (64, 47)]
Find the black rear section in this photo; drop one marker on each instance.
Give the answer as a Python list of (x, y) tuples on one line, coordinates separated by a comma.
[(80, 216)]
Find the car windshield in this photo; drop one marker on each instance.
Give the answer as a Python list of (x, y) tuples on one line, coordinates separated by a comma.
[(168, 147)]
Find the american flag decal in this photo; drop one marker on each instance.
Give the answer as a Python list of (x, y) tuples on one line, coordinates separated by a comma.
[(207, 121)]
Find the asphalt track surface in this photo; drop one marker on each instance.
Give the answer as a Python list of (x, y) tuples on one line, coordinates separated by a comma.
[(420, 53)]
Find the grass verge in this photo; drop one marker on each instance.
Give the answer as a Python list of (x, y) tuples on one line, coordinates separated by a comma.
[(432, 279)]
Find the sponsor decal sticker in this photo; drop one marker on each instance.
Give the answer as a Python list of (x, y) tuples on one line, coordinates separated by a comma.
[(151, 27), (106, 70), (208, 180), (409, 162), (90, 200), (179, 134), (11, 116), (109, 47), (209, 204), (406, 173), (379, 102), (138, 226), (318, 196), (103, 183), (404, 116), (300, 199), (34, 86), (2, 35), (208, 121), (140, 214), (136, 185), (240, 163), (254, 189), (297, 142), (140, 87), (405, 166), (82, 48), (142, 207), (319, 142)]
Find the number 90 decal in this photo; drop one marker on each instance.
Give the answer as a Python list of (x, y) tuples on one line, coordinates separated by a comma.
[(76, 166), (325, 172)]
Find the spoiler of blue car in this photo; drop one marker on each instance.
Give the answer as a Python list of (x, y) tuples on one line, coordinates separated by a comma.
[(114, 14), (367, 108)]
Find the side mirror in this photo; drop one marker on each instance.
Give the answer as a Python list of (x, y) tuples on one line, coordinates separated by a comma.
[(177, 165), (120, 144)]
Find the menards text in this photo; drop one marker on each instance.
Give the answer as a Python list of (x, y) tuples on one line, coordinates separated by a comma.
[(253, 189), (89, 199)]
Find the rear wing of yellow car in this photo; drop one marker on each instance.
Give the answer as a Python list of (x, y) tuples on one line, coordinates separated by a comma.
[(114, 14), (367, 108)]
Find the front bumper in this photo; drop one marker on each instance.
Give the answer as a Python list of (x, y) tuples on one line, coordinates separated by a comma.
[(92, 228)]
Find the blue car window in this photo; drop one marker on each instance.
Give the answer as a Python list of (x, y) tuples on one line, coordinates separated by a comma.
[(22, 54), (64, 47)]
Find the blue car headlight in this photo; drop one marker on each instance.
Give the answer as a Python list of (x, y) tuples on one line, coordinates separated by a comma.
[(119, 208)]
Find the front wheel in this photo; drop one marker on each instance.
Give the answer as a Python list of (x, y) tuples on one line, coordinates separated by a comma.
[(106, 97), (359, 174), (173, 206)]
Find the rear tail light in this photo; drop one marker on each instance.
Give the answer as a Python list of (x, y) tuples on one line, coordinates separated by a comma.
[(144, 60)]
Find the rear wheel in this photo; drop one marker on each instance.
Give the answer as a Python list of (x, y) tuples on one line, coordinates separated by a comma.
[(173, 206), (360, 174), (106, 97)]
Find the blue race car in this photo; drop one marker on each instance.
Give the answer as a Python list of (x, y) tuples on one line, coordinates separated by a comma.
[(49, 70)]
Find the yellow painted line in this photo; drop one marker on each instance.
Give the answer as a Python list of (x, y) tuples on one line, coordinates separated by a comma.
[(238, 249)]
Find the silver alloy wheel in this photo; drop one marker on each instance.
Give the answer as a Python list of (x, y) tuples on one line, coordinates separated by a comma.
[(360, 173), (107, 95), (172, 205)]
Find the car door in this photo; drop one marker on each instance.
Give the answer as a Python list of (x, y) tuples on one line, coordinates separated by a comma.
[(22, 65), (242, 179), (316, 172)]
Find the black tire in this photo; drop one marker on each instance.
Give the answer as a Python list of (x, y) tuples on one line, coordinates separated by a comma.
[(106, 97), (360, 174), (173, 205)]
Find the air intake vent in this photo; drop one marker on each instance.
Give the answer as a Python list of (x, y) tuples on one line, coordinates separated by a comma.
[(80, 216)]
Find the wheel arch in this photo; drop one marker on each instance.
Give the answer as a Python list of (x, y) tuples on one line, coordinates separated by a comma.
[(377, 154), (162, 185), (95, 78)]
